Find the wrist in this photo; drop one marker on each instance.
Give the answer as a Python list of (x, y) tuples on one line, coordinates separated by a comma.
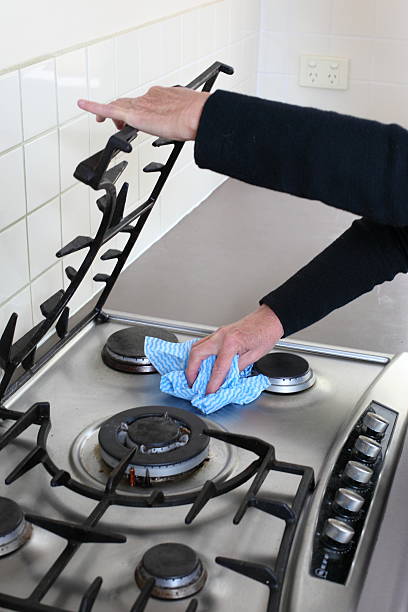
[(195, 111), (271, 319)]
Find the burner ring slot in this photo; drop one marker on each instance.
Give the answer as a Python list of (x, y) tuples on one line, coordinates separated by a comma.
[(14, 529), (176, 569), (186, 447)]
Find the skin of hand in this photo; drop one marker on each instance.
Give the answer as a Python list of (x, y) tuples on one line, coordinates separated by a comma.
[(250, 338), (167, 112)]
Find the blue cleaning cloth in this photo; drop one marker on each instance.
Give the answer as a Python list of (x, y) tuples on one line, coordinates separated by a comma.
[(170, 359)]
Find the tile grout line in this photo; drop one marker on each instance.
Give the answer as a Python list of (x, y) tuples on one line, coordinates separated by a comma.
[(59, 126), (26, 198)]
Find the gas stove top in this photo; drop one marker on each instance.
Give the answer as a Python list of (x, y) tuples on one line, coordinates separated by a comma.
[(242, 521), (116, 496)]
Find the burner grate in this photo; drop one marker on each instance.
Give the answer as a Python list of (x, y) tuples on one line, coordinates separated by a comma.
[(76, 535), (96, 173), (39, 414)]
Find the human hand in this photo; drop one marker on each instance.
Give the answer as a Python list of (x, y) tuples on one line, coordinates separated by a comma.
[(250, 338), (168, 112)]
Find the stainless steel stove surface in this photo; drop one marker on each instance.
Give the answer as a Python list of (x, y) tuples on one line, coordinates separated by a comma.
[(308, 428)]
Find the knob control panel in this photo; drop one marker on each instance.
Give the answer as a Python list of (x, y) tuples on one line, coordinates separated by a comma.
[(349, 493)]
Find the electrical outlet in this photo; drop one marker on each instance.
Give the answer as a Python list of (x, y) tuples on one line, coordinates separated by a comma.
[(325, 72)]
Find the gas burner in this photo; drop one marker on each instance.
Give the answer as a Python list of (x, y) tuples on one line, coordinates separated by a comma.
[(124, 350), (14, 529), (176, 569), (170, 442), (287, 372)]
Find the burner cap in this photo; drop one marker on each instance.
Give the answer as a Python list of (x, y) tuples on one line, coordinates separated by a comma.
[(154, 432), (176, 569), (288, 373), (14, 530), (170, 442), (124, 350)]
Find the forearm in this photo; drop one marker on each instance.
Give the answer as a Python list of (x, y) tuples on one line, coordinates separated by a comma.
[(349, 163), (366, 255)]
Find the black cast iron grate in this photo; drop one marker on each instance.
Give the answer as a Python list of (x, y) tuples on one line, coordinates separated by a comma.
[(76, 535), (96, 173)]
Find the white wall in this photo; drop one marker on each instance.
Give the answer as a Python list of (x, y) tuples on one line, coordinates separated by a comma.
[(43, 136), (33, 29), (372, 33)]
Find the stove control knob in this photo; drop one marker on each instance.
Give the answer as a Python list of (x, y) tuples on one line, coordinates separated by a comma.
[(358, 472), (338, 532), (349, 500), (375, 423), (367, 447)]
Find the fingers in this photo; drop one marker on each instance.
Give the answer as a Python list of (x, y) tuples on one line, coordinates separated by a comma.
[(202, 340), (220, 370), (194, 363), (102, 111), (247, 359), (119, 124), (197, 354)]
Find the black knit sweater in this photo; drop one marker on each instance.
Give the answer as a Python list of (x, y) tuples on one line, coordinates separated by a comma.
[(354, 164)]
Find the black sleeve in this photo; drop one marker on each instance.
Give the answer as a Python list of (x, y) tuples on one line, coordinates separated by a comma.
[(349, 163), (366, 255)]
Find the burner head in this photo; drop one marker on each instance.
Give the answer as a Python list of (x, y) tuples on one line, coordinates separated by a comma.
[(124, 350), (14, 530), (170, 442), (156, 434), (287, 372), (176, 569)]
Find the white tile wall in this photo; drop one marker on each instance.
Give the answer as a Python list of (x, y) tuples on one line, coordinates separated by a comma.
[(10, 119), (74, 146), (44, 239), (172, 45), (12, 179), (43, 135), (190, 29), (39, 98), (374, 35), (75, 214), (101, 71), (127, 62), (14, 260), (151, 52), (71, 83), (42, 169)]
